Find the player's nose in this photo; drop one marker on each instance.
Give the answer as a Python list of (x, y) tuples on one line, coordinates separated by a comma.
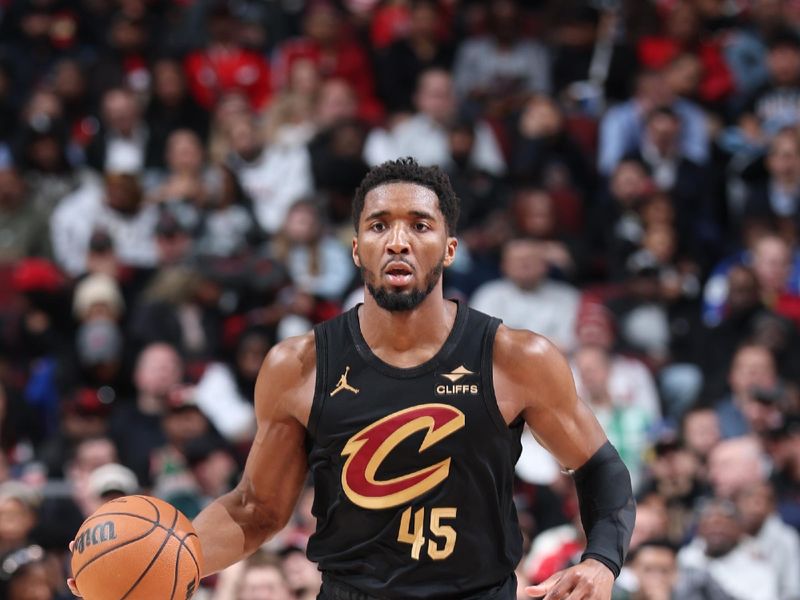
[(397, 242)]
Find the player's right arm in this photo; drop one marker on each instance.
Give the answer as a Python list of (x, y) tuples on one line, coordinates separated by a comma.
[(236, 524)]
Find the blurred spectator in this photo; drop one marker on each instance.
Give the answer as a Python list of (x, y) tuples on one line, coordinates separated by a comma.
[(227, 227), (776, 266), (779, 542), (775, 104), (622, 126), (316, 261), (81, 436), (118, 210), (182, 423), (424, 134), (778, 197), (745, 47), (731, 558), (700, 431), (399, 65), (496, 72), (180, 306), (124, 61), (630, 383), (111, 481), (70, 85), (171, 108), (772, 264), (274, 177), (121, 144), (335, 52), (182, 187), (213, 470), (539, 214), (545, 153), (683, 33), (225, 65), (19, 503), (525, 297), (735, 465), (25, 575), (674, 476), (673, 172), (754, 393), (34, 35), (136, 426), (625, 425), (98, 296), (744, 309), (783, 446), (302, 575), (260, 577), (42, 155), (23, 227), (225, 392), (338, 165), (654, 566)]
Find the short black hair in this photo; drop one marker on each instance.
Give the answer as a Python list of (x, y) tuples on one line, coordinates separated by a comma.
[(407, 170)]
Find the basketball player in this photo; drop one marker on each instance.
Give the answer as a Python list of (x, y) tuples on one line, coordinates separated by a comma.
[(408, 411)]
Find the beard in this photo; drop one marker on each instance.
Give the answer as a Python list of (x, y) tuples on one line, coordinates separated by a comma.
[(403, 301)]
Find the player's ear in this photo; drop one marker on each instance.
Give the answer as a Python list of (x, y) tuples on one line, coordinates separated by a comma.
[(356, 260), (450, 251)]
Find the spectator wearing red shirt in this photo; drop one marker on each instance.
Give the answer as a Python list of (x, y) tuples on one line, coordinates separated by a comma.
[(225, 66), (334, 53), (682, 34)]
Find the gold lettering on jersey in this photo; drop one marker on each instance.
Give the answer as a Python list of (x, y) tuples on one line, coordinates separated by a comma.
[(457, 388), (368, 449), (343, 385)]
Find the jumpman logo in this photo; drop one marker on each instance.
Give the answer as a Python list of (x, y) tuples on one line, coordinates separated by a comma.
[(343, 385)]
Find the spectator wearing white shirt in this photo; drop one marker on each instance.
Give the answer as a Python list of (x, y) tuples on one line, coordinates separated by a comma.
[(425, 134), (118, 211), (734, 560), (525, 298), (779, 542), (273, 176)]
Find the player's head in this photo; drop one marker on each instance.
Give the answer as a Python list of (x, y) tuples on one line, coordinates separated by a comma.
[(405, 219)]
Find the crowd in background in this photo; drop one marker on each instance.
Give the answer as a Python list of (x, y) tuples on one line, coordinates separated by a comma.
[(175, 188)]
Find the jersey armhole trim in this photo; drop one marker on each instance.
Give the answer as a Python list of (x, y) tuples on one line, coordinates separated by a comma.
[(487, 377), (320, 341)]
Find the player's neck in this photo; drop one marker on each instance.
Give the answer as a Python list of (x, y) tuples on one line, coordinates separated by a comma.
[(417, 333)]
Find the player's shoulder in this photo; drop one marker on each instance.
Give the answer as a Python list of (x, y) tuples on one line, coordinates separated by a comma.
[(523, 348), (294, 355)]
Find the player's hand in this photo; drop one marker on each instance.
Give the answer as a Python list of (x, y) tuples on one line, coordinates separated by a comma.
[(70, 580), (589, 580)]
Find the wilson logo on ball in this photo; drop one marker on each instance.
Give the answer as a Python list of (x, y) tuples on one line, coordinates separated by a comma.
[(92, 536)]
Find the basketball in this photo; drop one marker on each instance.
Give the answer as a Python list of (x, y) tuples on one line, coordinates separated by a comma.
[(137, 548)]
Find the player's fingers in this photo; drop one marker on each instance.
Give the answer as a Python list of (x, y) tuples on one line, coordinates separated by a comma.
[(540, 589), (72, 587), (564, 589)]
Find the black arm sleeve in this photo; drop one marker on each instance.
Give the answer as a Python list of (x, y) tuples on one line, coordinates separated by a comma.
[(607, 507)]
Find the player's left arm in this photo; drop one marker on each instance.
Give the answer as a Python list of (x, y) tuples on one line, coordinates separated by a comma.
[(529, 370)]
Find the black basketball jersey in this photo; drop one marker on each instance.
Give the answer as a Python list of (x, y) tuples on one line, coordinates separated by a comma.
[(413, 468)]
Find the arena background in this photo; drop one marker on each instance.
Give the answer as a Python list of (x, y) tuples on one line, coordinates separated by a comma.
[(175, 187)]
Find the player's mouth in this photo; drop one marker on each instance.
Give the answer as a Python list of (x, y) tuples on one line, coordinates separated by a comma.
[(398, 273)]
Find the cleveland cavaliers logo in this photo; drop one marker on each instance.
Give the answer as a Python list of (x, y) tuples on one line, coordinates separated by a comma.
[(368, 448)]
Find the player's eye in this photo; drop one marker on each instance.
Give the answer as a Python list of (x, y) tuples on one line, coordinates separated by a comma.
[(377, 227), (419, 226)]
